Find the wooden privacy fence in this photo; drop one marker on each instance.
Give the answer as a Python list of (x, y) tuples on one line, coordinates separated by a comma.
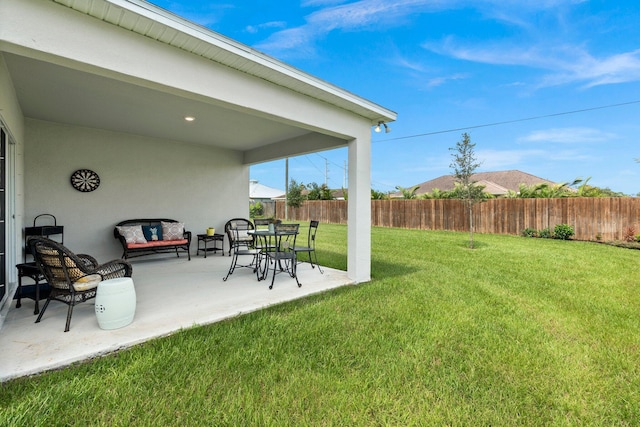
[(590, 217)]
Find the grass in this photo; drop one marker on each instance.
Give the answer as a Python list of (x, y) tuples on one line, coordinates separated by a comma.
[(518, 331)]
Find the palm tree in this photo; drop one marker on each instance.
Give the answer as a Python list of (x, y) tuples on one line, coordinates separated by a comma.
[(408, 193)]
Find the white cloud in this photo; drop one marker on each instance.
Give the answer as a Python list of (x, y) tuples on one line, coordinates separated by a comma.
[(492, 160), (206, 15), (567, 63), (267, 25), (564, 63), (617, 68), (360, 15), (321, 2), (439, 81), (575, 135)]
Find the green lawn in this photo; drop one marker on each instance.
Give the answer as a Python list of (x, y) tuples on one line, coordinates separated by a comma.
[(518, 331)]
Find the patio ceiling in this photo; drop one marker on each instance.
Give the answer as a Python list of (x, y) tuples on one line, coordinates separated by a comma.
[(55, 93)]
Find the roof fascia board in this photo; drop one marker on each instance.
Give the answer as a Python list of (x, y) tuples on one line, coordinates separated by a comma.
[(166, 18)]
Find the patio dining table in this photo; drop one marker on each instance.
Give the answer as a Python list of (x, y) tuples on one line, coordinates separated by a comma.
[(270, 241)]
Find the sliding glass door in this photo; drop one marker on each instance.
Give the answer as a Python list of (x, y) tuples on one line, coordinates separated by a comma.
[(3, 214)]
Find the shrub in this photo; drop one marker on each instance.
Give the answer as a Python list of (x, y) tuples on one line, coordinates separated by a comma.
[(256, 210), (545, 233), (629, 234), (563, 231), (529, 232)]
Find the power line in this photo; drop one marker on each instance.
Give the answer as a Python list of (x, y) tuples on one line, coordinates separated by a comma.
[(330, 161), (511, 121), (313, 164)]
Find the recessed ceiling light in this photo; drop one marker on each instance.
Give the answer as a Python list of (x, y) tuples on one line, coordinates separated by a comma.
[(189, 118)]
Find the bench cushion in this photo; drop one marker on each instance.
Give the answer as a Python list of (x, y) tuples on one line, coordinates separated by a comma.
[(157, 243)]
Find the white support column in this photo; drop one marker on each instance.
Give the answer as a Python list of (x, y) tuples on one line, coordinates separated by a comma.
[(359, 211)]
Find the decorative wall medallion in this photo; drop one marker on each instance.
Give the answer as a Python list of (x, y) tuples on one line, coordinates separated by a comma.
[(85, 180)]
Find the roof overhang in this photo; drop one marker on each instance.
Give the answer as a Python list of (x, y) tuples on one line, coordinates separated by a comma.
[(53, 87)]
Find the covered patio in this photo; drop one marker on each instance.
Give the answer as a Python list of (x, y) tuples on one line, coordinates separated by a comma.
[(172, 294), (170, 116)]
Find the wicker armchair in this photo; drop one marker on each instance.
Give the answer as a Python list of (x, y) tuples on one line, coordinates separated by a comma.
[(73, 278)]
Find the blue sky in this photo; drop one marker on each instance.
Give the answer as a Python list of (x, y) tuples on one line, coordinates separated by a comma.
[(453, 66)]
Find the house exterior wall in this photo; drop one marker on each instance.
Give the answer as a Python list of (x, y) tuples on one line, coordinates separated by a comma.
[(11, 116), (12, 121), (139, 178), (9, 106)]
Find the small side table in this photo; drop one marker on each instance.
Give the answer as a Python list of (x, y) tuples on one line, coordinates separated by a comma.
[(205, 238), (29, 269)]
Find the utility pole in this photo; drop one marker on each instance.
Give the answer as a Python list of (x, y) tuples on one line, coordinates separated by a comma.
[(286, 189), (326, 172), (344, 181)]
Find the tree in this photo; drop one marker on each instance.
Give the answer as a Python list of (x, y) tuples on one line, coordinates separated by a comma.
[(475, 191), (436, 193), (319, 192), (578, 188), (408, 193), (379, 195), (464, 165), (294, 196), (314, 191), (345, 193)]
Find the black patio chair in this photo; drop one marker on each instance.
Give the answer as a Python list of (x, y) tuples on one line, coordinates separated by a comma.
[(283, 258), (241, 247), (73, 278), (264, 224), (311, 246), (241, 238)]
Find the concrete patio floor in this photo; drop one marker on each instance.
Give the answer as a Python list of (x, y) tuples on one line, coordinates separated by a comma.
[(172, 294)]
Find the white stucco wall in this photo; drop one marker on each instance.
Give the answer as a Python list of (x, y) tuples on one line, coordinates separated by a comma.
[(139, 178), (11, 116), (12, 122)]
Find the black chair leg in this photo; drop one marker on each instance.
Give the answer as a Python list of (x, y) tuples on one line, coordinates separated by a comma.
[(315, 255), (69, 313), (294, 270), (46, 304), (234, 261)]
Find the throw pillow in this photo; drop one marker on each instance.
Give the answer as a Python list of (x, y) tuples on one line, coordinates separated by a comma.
[(172, 230), (132, 233), (152, 232)]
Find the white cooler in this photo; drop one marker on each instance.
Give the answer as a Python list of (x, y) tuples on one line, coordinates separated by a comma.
[(115, 303)]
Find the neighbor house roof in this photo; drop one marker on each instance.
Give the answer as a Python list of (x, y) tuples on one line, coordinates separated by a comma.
[(496, 183), (259, 191)]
